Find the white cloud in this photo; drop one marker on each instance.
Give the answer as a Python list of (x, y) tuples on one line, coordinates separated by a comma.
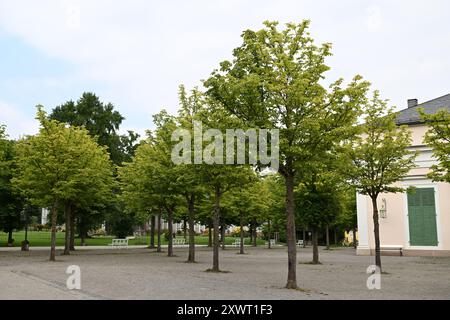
[(17, 123), (140, 51)]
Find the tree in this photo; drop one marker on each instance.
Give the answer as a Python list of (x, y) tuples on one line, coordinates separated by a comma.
[(58, 164), (438, 137), (11, 203), (153, 172), (190, 178), (379, 157), (319, 200), (275, 82), (217, 177), (102, 121)]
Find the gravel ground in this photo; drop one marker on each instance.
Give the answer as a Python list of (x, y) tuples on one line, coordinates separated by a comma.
[(260, 274)]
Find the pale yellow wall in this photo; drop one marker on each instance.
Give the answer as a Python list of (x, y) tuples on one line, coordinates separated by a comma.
[(417, 133), (392, 227), (444, 213)]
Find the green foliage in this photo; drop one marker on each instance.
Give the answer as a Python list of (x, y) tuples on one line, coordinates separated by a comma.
[(438, 137), (11, 203), (379, 157), (275, 80), (102, 121)]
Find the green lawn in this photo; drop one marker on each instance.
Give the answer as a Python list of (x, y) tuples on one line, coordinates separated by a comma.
[(42, 239)]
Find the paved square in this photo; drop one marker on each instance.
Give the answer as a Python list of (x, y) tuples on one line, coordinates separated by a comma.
[(260, 274)]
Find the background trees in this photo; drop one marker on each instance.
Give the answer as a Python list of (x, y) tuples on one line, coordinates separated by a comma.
[(275, 81), (103, 123), (59, 164), (11, 202), (378, 157)]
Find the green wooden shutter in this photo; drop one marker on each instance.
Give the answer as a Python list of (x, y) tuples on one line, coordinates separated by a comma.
[(422, 218)]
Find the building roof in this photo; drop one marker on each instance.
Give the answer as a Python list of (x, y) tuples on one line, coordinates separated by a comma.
[(411, 115)]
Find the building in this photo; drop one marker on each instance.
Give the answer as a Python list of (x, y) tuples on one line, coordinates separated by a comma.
[(415, 223)]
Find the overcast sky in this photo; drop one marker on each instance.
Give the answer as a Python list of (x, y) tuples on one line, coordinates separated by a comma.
[(135, 54)]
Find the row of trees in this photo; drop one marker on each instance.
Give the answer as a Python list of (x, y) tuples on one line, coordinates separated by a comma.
[(333, 141)]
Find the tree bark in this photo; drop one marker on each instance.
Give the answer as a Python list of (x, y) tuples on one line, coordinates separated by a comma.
[(216, 223), (210, 236), (222, 236), (185, 230), (254, 233), (241, 245), (315, 246), (268, 231), (170, 227), (72, 229), (67, 216), (83, 238), (152, 232), (159, 233), (290, 232), (191, 218), (54, 214), (335, 237), (304, 238), (376, 230), (327, 230), (10, 239), (250, 231)]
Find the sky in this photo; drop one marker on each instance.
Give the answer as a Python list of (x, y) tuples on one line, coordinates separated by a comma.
[(136, 53)]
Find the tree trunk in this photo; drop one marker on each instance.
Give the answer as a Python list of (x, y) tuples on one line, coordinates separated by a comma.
[(268, 231), (185, 230), (210, 236), (67, 216), (304, 238), (254, 233), (241, 245), (216, 223), (159, 233), (83, 238), (250, 231), (54, 214), (335, 237), (10, 239), (170, 227), (290, 233), (327, 230), (355, 243), (72, 229), (191, 218), (315, 246), (152, 232), (376, 230), (222, 236)]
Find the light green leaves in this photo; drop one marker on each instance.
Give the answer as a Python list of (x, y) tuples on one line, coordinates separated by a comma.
[(438, 137), (379, 157)]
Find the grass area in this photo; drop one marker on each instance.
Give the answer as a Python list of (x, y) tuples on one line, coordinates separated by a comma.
[(42, 239)]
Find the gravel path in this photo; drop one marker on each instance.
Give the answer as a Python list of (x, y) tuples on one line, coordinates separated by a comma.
[(260, 274)]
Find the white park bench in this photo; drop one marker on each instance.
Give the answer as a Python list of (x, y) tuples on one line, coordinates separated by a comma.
[(120, 243), (300, 242), (237, 243), (179, 242)]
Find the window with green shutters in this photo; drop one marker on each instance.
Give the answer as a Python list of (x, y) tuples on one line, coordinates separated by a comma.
[(422, 217)]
